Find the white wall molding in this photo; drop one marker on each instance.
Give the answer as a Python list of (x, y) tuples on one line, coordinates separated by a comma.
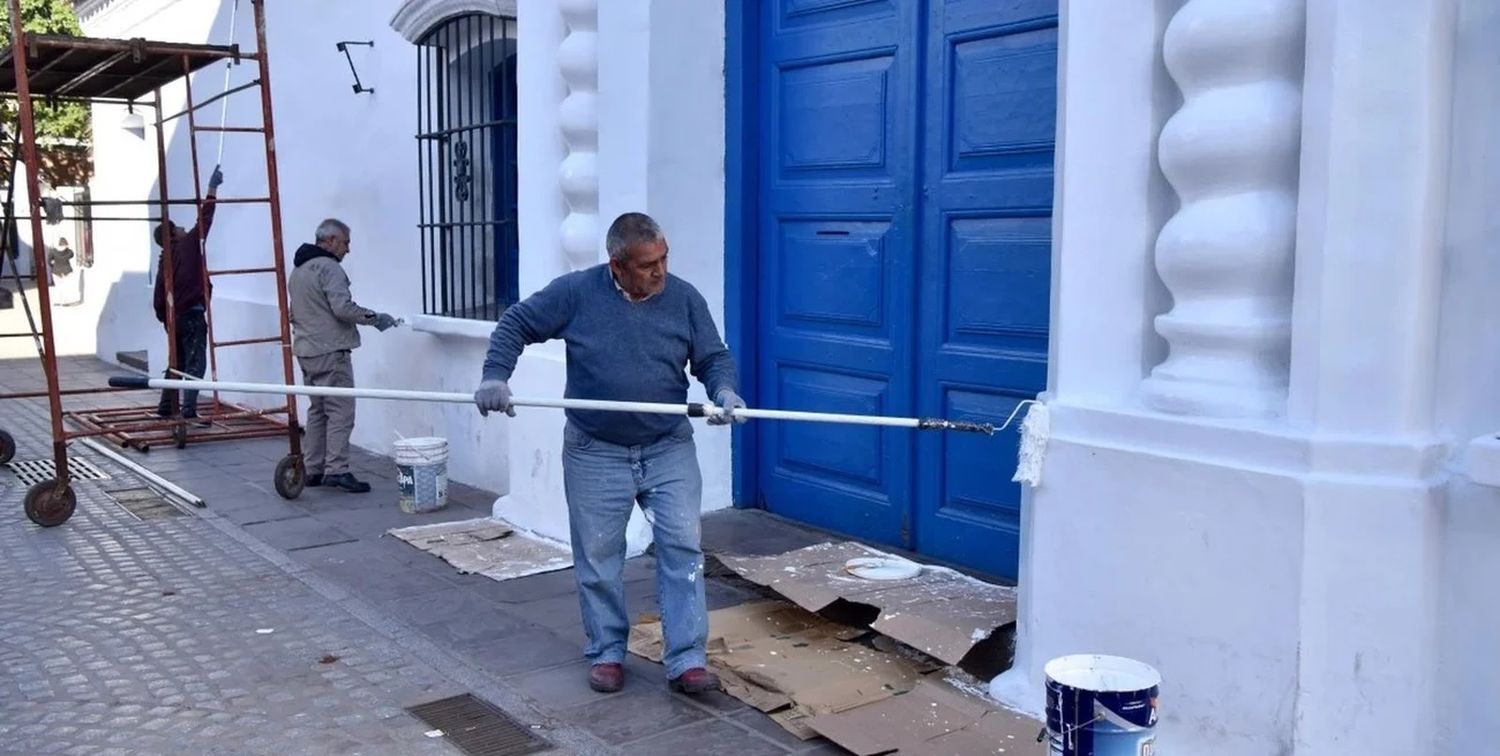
[(578, 117), (1231, 153), (416, 17)]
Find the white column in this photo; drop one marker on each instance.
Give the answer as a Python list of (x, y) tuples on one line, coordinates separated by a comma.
[(624, 94), (533, 497), (1371, 254), (539, 93), (1231, 153), (578, 116)]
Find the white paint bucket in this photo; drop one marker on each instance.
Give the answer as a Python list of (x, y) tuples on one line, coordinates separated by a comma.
[(422, 474), (1101, 706)]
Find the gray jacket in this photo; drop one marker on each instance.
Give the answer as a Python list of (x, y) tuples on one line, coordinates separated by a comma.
[(324, 314)]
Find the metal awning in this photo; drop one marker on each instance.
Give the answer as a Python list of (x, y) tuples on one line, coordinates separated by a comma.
[(90, 67)]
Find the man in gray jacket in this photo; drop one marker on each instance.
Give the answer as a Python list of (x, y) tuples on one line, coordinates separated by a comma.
[(324, 317)]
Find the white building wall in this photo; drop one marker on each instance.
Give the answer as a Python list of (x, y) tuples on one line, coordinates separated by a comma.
[(1468, 389), (352, 156), (1303, 558)]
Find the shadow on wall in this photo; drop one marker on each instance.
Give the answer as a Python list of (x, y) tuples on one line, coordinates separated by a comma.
[(126, 323)]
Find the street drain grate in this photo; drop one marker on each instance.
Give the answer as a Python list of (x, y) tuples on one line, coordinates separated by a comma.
[(34, 471), (145, 503), (478, 728)]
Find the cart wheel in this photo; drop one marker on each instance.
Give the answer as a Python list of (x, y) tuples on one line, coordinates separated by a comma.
[(49, 507), (7, 447), (290, 477), (179, 436)]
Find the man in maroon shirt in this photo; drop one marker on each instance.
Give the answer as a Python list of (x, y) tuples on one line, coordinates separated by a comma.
[(189, 298)]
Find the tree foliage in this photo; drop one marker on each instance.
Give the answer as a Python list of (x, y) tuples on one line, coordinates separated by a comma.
[(63, 128)]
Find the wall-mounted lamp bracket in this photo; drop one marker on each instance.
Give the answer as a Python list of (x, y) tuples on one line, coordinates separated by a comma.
[(343, 47)]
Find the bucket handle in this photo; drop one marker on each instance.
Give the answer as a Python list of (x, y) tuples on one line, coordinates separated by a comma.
[(1067, 734)]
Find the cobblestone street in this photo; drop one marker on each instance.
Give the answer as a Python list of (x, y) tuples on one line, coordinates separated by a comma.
[(259, 625)]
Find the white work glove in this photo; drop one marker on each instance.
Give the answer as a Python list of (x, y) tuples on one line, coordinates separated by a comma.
[(494, 396), (384, 321), (729, 402)]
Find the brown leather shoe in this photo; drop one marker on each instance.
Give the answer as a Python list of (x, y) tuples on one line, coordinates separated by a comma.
[(607, 678), (694, 681)]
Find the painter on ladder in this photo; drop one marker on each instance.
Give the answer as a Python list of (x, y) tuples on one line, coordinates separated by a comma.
[(189, 298), (325, 332), (631, 329)]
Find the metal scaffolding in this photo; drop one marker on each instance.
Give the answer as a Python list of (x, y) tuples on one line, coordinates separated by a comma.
[(52, 68)]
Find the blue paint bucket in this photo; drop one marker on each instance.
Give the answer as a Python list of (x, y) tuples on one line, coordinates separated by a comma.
[(1101, 706)]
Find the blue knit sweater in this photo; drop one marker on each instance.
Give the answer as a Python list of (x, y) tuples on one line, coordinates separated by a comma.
[(618, 349)]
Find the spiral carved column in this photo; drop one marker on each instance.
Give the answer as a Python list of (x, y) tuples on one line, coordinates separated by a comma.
[(1231, 153), (578, 116)]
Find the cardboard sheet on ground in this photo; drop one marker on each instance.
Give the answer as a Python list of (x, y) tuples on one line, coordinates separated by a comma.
[(813, 678), (487, 546), (934, 719), (790, 663), (941, 612)]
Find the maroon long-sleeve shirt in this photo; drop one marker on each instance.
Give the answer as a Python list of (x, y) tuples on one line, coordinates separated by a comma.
[(187, 268)]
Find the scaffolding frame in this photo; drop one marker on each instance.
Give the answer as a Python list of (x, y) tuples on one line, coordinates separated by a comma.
[(91, 70)]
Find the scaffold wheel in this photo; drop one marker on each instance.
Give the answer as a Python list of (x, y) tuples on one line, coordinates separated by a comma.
[(49, 506), (290, 477)]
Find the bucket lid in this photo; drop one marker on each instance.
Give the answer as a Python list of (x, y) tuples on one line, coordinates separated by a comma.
[(1102, 674)]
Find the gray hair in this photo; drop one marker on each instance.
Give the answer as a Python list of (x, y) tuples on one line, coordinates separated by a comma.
[(329, 228), (629, 230)]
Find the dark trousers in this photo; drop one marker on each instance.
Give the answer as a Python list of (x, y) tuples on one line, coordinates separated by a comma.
[(192, 358)]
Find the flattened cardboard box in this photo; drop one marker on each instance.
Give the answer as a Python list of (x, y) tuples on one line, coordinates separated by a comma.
[(934, 719), (486, 546), (940, 612), (792, 664)]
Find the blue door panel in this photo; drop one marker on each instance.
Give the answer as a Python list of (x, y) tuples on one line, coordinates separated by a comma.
[(904, 193), (835, 260), (990, 121)]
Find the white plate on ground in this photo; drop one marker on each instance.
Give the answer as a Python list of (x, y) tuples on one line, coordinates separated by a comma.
[(882, 568)]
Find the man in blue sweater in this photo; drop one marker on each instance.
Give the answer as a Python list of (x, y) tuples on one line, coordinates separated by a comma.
[(631, 329)]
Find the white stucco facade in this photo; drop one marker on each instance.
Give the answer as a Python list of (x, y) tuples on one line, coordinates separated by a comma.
[(1273, 318), (1273, 339), (353, 156)]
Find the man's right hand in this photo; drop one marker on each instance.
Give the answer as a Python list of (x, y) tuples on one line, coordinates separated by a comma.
[(494, 396), (384, 322)]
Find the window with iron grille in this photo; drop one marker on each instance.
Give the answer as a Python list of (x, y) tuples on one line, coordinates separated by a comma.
[(466, 154)]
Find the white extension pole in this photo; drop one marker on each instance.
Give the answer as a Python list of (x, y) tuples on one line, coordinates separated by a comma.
[(234, 15), (690, 410)]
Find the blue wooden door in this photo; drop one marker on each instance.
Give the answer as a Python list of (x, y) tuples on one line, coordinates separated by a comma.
[(904, 196), (989, 114), (838, 227)]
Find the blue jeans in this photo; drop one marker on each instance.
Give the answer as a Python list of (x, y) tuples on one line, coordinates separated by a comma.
[(603, 482)]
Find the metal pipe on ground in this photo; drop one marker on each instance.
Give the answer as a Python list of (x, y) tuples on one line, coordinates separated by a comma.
[(162, 484), (690, 410)]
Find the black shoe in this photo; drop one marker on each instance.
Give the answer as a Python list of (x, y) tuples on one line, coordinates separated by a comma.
[(197, 422), (313, 481), (346, 482)]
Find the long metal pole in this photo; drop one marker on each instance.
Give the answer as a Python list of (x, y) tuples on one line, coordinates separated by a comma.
[(273, 185), (166, 248), (158, 481), (208, 305), (20, 56), (690, 410)]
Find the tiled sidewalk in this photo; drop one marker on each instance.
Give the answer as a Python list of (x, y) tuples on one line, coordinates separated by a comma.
[(320, 573)]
